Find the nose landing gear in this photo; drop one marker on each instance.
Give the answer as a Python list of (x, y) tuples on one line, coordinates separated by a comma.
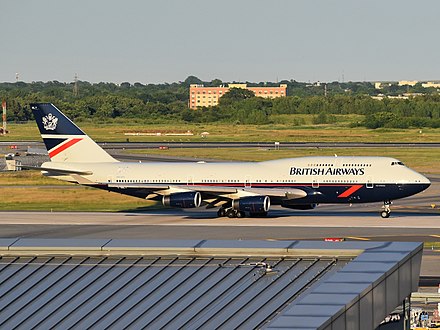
[(385, 213)]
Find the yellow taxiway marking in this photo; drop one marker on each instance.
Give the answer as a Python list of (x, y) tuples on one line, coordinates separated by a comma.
[(358, 238)]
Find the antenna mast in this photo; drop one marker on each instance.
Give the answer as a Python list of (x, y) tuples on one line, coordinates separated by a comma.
[(4, 117), (75, 86)]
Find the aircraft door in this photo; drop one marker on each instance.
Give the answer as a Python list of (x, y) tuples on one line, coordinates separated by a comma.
[(315, 183), (120, 174), (247, 182), (369, 182)]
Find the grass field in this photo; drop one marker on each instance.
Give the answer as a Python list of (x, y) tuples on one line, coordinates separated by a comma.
[(30, 191), (281, 128), (39, 198), (24, 178)]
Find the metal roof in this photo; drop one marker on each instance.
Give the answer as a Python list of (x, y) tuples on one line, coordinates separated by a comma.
[(200, 284)]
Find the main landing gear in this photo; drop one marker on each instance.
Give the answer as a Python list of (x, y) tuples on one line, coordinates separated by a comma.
[(232, 213), (385, 213)]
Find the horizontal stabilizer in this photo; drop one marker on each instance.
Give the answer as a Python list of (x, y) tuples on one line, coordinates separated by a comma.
[(56, 170)]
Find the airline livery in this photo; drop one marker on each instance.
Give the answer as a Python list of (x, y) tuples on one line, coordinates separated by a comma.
[(236, 189)]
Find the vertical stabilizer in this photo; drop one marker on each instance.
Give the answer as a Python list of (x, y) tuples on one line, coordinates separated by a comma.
[(66, 142)]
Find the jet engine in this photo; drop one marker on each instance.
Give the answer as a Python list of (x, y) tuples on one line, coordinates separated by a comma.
[(253, 204), (299, 206), (184, 200)]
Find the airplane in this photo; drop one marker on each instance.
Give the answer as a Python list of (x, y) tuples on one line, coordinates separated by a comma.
[(237, 189)]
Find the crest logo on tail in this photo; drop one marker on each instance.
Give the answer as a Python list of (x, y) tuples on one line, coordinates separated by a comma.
[(50, 122)]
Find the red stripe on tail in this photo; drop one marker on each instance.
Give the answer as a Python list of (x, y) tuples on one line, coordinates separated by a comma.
[(63, 147)]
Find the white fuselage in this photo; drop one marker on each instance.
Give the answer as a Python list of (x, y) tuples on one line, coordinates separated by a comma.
[(319, 170)]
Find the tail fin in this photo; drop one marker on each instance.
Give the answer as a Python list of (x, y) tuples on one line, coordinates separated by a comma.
[(66, 142)]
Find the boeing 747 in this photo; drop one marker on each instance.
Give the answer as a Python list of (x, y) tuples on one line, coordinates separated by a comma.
[(237, 189)]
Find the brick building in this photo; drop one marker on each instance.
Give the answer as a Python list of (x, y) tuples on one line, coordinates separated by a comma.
[(201, 96)]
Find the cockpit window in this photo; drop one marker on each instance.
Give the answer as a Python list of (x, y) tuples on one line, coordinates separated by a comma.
[(397, 163)]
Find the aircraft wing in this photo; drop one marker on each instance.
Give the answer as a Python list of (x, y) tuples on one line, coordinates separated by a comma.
[(166, 189)]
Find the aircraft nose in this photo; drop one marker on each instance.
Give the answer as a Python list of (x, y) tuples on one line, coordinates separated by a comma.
[(424, 182)]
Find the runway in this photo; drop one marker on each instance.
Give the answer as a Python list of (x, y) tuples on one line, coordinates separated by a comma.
[(175, 224), (280, 224)]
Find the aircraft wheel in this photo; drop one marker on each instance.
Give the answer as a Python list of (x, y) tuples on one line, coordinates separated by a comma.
[(221, 212), (385, 214), (241, 214), (231, 213)]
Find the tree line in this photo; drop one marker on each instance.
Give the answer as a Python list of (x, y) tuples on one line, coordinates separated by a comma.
[(169, 102)]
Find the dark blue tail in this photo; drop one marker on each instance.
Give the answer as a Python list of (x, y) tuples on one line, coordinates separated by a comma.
[(50, 120)]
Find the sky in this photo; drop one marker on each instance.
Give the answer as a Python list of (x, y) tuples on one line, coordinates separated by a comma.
[(232, 40)]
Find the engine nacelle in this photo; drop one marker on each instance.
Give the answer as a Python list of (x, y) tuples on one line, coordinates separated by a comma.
[(184, 200), (254, 204), (299, 206)]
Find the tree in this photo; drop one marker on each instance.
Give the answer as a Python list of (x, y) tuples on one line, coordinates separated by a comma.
[(380, 119), (192, 80), (215, 83), (236, 95)]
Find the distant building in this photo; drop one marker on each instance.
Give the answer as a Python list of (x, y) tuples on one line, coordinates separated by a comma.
[(382, 96), (408, 83), (201, 96), (412, 83), (431, 84), (382, 84)]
